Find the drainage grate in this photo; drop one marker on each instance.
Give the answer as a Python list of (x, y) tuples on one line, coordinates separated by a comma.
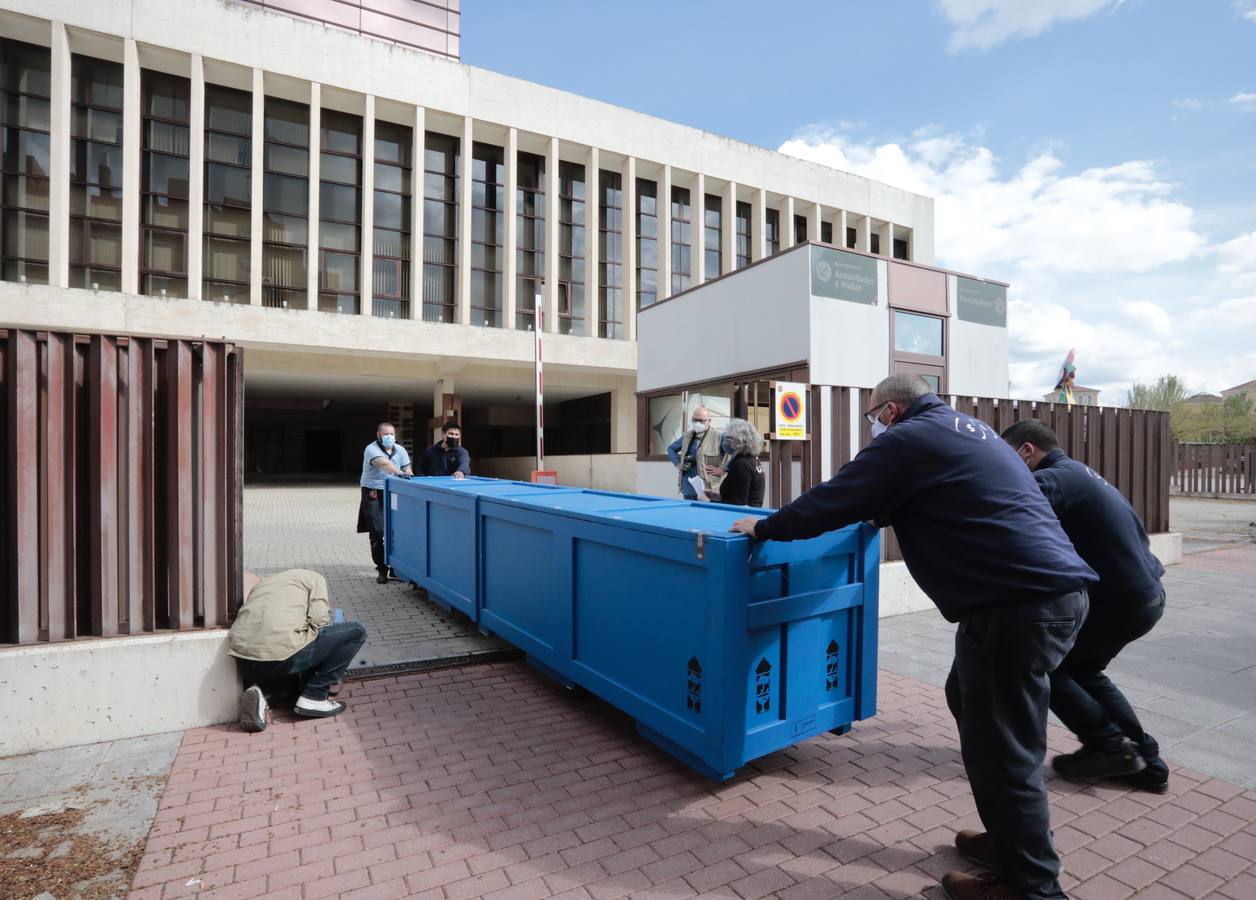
[(441, 662)]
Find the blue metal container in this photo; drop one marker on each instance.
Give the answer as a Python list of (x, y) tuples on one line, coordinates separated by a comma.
[(722, 651), (431, 532)]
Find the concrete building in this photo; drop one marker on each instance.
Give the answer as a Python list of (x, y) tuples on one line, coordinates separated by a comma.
[(371, 220), (1082, 396)]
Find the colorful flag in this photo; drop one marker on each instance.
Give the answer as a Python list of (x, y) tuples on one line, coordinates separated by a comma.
[(1064, 383)]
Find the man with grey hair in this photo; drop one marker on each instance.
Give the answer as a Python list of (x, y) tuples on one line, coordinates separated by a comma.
[(694, 452), (982, 542)]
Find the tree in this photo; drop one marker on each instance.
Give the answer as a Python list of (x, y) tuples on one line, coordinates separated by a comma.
[(1168, 392)]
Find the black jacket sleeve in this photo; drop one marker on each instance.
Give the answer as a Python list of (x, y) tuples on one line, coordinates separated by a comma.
[(735, 488), (867, 487), (1053, 488)]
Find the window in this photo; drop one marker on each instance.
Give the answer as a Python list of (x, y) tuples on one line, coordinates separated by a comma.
[(647, 244), (800, 229), (95, 174), (919, 345), (682, 241), (743, 235), (876, 242), (487, 222), (25, 88), (852, 237), (390, 275), (529, 238), (712, 227), (440, 226), (571, 260), (826, 232), (772, 232), (900, 248), (668, 414), (164, 189), (228, 193), (610, 255), (285, 204), (339, 212)]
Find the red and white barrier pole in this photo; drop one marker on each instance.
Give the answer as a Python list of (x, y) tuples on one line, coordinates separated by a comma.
[(540, 383)]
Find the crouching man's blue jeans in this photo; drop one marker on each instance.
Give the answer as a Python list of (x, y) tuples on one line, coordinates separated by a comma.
[(318, 665)]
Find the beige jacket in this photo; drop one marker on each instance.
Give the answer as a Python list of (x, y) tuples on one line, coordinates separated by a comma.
[(283, 614), (708, 455)]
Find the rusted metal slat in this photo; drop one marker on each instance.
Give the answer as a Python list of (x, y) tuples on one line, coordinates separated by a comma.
[(178, 453), (22, 513), (213, 467), (56, 502), (102, 388), (235, 489)]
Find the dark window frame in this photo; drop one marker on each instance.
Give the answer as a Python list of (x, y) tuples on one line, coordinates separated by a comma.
[(210, 282), (680, 219), (610, 272), (744, 247), (569, 175), (29, 264), (526, 284), (640, 239), (441, 310), (277, 295), (712, 250), (489, 316), (330, 299), (383, 302), (149, 274), (772, 231)]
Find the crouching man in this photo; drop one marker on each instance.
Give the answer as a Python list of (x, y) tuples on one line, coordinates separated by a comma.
[(283, 634)]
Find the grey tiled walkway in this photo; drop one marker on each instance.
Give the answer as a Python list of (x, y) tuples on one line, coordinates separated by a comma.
[(314, 527), (1192, 679)]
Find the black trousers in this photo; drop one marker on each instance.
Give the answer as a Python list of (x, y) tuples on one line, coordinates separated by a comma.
[(1083, 696), (998, 690), (371, 520), (317, 665)]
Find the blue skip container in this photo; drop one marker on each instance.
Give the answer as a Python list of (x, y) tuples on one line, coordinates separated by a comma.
[(721, 649)]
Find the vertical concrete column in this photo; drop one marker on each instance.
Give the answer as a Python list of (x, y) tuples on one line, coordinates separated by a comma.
[(839, 225), (316, 146), (624, 419), (663, 209), (510, 233), (758, 225), (196, 179), (132, 155), (257, 185), (630, 247), (366, 274), (728, 230), (464, 223), (552, 207), (697, 217), (592, 240), (787, 223), (887, 239), (911, 243), (417, 146), (59, 161), (813, 223), (864, 237)]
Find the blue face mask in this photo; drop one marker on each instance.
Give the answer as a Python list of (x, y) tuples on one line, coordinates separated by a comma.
[(387, 441), (725, 447)]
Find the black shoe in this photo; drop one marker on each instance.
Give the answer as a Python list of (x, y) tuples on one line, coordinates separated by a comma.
[(381, 578), (976, 846), (1092, 762), (962, 886), (1149, 780), (254, 713)]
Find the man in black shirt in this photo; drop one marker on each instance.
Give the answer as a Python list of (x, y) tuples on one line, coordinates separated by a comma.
[(1126, 604), (447, 456), (982, 542)]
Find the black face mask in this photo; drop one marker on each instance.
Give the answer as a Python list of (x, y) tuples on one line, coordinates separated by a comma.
[(451, 442)]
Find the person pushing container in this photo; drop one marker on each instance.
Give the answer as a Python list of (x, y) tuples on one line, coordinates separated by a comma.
[(982, 542), (381, 458)]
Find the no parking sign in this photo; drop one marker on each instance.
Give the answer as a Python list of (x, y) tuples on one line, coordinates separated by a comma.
[(790, 407)]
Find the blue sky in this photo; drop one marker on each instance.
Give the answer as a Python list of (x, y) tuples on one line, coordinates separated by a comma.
[(1099, 155)]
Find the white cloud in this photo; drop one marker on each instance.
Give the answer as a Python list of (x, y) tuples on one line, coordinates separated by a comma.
[(1106, 260), (1189, 103), (1244, 101), (981, 24)]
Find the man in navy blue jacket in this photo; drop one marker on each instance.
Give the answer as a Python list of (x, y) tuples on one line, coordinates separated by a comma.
[(981, 540), (1126, 604)]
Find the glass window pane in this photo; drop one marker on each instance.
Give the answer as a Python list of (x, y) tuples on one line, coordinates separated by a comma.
[(392, 211), (917, 334), (338, 201), (163, 137), (341, 132), (229, 149), (391, 243), (26, 192), (227, 184), (338, 272), (164, 251), (392, 178), (166, 174), (96, 164), (284, 229), (97, 125), (227, 260), (25, 234), (228, 110), (229, 221), (283, 266), (439, 250), (287, 122), (288, 160), (338, 236), (25, 152), (343, 169), (165, 212), (286, 194)]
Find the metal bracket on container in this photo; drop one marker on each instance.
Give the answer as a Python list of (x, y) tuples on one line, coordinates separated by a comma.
[(699, 548)]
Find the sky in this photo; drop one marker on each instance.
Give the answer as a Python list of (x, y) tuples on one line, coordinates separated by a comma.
[(1099, 155)]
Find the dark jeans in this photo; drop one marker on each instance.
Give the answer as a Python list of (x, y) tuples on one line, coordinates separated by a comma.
[(371, 520), (998, 691), (318, 664), (1086, 700)]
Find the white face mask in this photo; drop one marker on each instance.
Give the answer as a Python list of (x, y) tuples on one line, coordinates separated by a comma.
[(878, 429), (699, 427)]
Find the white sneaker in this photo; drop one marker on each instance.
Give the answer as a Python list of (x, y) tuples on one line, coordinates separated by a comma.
[(308, 706), (254, 713)]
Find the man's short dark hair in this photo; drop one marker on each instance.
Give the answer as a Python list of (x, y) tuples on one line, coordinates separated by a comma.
[(1031, 431), (382, 425), (450, 426)]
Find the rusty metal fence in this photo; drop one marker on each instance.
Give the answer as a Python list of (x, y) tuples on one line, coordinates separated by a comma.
[(122, 497), (1131, 448), (1213, 470)]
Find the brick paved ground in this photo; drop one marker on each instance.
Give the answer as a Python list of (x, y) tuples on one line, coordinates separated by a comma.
[(314, 527), (1192, 679), (490, 781)]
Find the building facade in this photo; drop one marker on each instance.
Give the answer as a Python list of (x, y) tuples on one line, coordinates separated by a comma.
[(373, 222)]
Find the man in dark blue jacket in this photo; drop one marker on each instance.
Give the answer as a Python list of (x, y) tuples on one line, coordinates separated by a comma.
[(981, 540), (1126, 604)]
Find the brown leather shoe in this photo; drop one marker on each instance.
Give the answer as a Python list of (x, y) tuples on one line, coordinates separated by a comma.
[(959, 886), (976, 846)]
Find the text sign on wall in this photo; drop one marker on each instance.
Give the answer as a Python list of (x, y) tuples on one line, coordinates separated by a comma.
[(790, 407), (981, 302), (843, 276)]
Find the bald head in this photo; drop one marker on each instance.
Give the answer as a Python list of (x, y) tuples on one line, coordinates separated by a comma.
[(902, 389)]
